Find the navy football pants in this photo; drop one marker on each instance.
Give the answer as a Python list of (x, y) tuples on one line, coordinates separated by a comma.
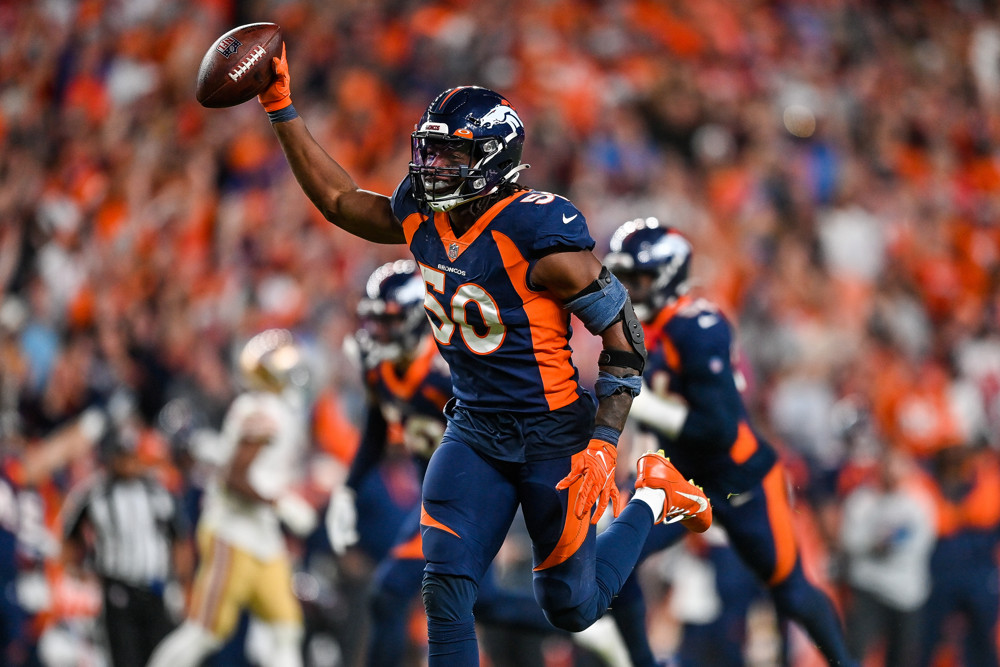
[(468, 506)]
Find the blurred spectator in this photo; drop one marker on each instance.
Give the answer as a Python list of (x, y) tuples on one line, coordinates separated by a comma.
[(133, 530), (888, 531), (836, 163), (964, 572), (26, 469)]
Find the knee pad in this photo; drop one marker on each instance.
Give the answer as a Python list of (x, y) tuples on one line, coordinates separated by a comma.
[(570, 620), (447, 597), (448, 601)]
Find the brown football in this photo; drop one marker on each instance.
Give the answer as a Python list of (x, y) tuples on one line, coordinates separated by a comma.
[(237, 67)]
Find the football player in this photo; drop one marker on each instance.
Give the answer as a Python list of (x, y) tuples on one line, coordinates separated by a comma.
[(504, 267), (691, 402), (408, 386), (244, 563)]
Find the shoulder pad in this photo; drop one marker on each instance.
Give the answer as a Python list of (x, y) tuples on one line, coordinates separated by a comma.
[(404, 203), (556, 221)]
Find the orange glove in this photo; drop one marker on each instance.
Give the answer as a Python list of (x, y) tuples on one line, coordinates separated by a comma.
[(594, 470), (279, 94)]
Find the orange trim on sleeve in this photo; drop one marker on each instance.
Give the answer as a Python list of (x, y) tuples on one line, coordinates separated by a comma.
[(745, 445), (429, 521), (411, 224), (412, 549), (574, 530), (779, 515), (549, 326)]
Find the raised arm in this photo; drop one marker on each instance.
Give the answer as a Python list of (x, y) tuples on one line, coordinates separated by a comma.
[(329, 187)]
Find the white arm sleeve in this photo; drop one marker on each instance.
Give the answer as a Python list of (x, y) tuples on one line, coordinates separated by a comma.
[(665, 414)]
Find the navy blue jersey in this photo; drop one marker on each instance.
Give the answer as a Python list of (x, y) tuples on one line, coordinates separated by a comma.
[(506, 341), (412, 400), (420, 391), (689, 347)]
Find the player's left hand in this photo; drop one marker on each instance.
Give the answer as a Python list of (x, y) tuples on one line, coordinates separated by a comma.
[(279, 94), (594, 470)]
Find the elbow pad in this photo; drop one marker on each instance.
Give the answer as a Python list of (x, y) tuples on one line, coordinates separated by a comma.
[(600, 305)]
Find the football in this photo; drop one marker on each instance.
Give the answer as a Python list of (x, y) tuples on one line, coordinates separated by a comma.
[(237, 67)]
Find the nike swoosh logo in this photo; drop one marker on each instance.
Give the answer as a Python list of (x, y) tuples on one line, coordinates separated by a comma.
[(702, 503), (569, 219)]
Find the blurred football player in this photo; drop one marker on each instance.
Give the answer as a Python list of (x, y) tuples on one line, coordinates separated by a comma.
[(691, 402), (504, 268), (244, 563)]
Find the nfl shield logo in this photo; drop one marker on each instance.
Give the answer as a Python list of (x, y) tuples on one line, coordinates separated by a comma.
[(228, 46), (453, 251)]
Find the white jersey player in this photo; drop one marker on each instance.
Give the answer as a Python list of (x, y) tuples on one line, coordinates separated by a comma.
[(244, 563)]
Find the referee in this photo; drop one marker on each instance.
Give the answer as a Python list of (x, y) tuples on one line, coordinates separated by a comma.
[(128, 525)]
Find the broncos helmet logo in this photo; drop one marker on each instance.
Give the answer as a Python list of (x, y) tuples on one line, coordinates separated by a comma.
[(501, 115)]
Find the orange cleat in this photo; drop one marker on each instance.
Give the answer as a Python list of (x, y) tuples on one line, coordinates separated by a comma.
[(685, 500)]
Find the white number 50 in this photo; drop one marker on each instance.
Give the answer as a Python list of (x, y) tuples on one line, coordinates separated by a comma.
[(469, 293)]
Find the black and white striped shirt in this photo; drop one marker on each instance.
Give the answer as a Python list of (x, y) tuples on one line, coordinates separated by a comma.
[(134, 522)]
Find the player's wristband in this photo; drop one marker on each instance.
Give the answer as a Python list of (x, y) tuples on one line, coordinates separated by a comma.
[(283, 115), (607, 434)]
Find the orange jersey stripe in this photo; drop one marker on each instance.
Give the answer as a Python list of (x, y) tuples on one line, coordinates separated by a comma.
[(410, 226), (654, 331), (548, 324), (745, 445), (779, 514), (429, 521)]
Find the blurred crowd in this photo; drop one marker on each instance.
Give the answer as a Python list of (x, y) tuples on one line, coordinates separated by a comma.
[(835, 163)]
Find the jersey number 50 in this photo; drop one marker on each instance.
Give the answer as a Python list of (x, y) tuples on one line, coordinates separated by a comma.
[(465, 295)]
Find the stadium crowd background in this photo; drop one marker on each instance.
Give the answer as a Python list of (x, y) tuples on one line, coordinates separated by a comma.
[(835, 163)]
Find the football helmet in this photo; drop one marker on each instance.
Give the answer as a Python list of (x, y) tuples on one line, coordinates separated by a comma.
[(652, 260), (392, 317), (272, 361), (467, 144)]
